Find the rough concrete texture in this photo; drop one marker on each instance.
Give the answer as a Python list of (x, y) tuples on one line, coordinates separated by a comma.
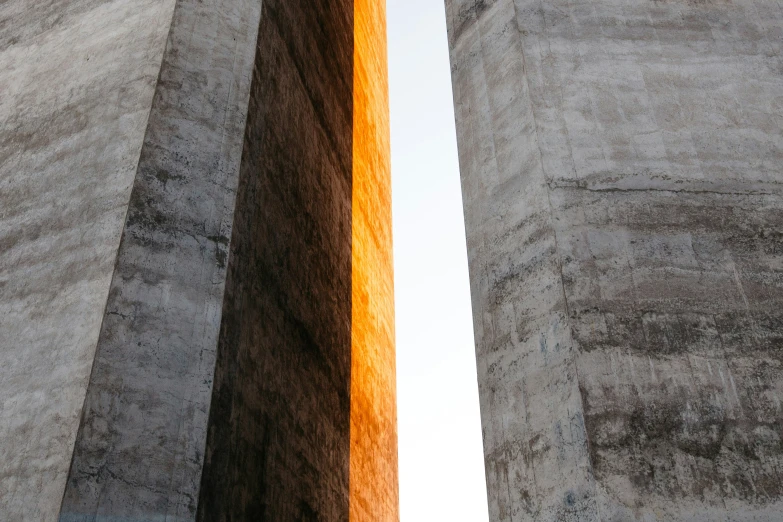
[(621, 172), (77, 79), (140, 446), (278, 442)]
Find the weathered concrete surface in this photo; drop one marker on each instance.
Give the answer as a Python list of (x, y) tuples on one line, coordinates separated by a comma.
[(621, 170), (77, 79), (140, 446), (278, 444)]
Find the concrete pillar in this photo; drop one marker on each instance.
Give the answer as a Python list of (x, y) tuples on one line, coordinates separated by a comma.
[(621, 167), (196, 311)]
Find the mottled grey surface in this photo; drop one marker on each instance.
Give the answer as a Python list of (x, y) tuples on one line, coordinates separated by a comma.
[(621, 167), (140, 446), (77, 79)]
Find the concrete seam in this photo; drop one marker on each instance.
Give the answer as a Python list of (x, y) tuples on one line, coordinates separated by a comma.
[(555, 186)]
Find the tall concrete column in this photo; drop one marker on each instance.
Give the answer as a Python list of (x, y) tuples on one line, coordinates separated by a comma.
[(196, 292), (621, 168)]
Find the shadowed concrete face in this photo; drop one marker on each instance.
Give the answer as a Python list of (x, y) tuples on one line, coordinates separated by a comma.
[(279, 443), (621, 167), (303, 420)]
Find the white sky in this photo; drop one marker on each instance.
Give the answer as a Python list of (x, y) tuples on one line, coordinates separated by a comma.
[(441, 456)]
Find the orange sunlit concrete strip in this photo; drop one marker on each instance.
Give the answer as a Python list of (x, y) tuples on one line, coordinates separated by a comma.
[(373, 460)]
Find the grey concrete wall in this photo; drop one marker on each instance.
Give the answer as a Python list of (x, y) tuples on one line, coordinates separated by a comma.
[(77, 79), (140, 445), (279, 429), (621, 172)]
